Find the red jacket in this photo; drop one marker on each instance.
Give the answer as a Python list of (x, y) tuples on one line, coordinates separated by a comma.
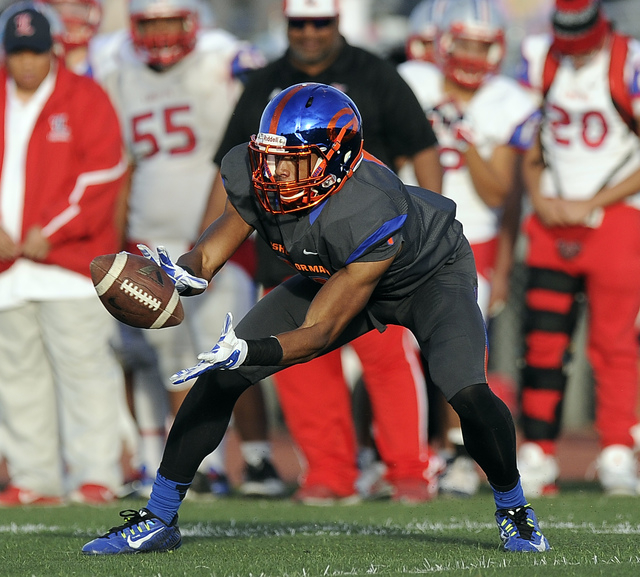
[(74, 171)]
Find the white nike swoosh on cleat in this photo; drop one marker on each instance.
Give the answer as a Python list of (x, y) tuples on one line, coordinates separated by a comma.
[(542, 547), (142, 540)]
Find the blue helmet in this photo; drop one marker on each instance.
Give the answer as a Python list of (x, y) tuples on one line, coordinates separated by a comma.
[(318, 130)]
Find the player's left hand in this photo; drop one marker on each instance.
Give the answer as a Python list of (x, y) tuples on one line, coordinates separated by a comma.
[(180, 277), (229, 353)]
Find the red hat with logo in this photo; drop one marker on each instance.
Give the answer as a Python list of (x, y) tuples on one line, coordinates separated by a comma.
[(579, 26)]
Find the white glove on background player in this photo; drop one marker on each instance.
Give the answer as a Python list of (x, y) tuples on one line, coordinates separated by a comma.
[(229, 353), (180, 277)]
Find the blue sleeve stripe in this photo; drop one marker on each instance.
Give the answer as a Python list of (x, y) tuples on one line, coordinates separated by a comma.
[(385, 231), (522, 72), (523, 136), (315, 212), (634, 87)]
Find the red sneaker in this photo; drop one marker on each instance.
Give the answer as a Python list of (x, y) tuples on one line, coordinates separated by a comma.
[(92, 494), (321, 495), (14, 496)]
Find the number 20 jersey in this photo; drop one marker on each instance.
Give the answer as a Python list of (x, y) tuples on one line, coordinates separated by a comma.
[(586, 143)]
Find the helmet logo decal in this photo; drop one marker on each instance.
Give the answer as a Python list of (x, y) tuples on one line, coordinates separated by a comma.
[(265, 139), (351, 125)]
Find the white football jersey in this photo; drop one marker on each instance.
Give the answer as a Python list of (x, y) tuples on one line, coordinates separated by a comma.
[(173, 122), (587, 145), (499, 113)]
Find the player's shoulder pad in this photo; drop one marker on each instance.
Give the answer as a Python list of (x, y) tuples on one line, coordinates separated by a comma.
[(425, 79), (504, 112), (108, 51), (507, 95), (533, 52), (242, 56)]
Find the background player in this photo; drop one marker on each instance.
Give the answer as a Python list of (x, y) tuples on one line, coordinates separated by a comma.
[(174, 88), (583, 176), (482, 120)]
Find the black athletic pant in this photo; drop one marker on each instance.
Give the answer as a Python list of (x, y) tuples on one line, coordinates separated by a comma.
[(443, 315)]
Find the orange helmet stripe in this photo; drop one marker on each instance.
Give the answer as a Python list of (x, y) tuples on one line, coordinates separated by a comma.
[(275, 119)]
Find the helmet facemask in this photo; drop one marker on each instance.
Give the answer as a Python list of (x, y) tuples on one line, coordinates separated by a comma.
[(471, 42), (308, 182), (81, 19), (167, 44), (467, 69)]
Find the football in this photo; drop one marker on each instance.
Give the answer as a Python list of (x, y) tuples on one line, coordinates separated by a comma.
[(136, 291)]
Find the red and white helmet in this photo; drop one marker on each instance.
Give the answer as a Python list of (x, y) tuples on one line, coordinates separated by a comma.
[(470, 20), (81, 19), (423, 28), (163, 49)]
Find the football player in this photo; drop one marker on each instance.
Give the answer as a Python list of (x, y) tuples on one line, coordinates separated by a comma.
[(81, 19), (174, 88), (369, 251), (482, 120), (583, 177), (422, 30)]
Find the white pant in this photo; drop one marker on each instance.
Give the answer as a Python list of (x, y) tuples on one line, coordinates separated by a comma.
[(60, 386)]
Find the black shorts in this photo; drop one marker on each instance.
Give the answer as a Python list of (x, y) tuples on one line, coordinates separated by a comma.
[(442, 314)]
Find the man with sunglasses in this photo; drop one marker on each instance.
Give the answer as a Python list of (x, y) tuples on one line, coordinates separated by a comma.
[(397, 133)]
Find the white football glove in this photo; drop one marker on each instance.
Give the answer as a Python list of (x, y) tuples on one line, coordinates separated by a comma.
[(229, 353), (180, 277)]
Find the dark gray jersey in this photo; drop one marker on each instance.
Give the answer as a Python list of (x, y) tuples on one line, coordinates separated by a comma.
[(371, 218)]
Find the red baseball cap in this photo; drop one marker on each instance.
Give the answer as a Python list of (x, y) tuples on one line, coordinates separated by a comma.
[(579, 26)]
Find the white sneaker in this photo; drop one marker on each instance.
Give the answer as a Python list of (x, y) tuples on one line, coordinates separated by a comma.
[(617, 470), (538, 471), (460, 478), (371, 483)]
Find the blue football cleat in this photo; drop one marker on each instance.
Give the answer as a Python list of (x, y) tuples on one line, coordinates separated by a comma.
[(142, 532), (519, 530)]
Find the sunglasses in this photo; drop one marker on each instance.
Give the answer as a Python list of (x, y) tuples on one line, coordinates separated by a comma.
[(317, 23)]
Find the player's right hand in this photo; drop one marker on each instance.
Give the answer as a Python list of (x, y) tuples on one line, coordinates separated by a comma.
[(180, 277), (228, 353)]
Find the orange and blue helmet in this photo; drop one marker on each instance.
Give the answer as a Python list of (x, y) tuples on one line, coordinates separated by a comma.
[(319, 128)]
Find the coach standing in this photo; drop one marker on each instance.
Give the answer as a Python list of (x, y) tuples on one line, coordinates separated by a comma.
[(61, 172)]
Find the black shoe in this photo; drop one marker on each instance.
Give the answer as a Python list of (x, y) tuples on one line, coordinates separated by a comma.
[(211, 484), (262, 481)]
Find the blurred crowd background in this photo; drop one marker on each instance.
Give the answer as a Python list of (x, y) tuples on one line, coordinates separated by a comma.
[(382, 26)]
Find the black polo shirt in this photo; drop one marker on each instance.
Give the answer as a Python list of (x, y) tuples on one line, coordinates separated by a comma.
[(393, 122)]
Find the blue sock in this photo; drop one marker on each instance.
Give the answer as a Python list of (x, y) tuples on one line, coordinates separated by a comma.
[(166, 497), (510, 499)]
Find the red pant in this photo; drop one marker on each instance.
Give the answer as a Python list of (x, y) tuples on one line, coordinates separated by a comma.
[(606, 261), (316, 403)]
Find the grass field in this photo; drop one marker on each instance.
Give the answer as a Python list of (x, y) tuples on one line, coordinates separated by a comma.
[(590, 535)]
